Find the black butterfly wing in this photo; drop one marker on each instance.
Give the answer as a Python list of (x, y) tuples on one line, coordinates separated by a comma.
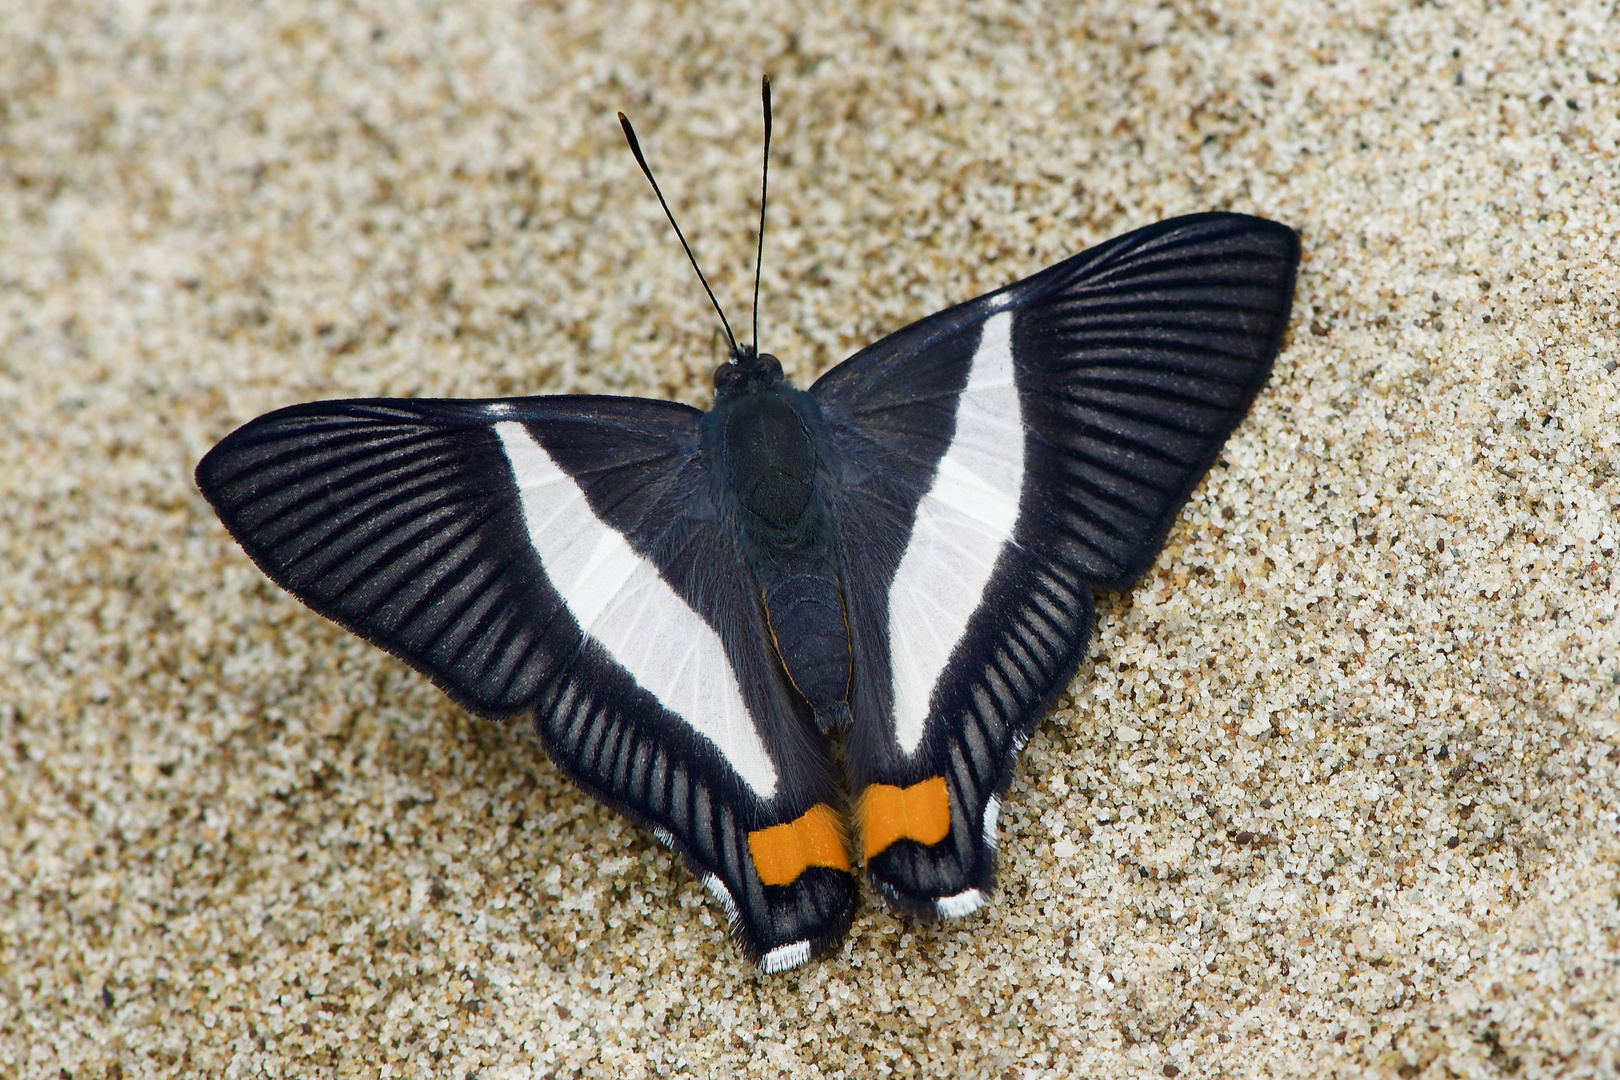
[(997, 462), (564, 557)]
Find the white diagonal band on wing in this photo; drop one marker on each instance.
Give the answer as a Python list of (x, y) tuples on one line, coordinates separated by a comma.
[(970, 511), (619, 599)]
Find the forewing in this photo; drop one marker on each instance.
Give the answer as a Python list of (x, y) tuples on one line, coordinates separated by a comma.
[(1000, 460), (562, 557)]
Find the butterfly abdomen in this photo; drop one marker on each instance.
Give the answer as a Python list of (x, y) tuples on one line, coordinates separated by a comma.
[(806, 616)]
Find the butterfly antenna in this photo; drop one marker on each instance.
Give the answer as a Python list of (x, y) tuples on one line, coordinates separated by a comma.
[(635, 148), (764, 186)]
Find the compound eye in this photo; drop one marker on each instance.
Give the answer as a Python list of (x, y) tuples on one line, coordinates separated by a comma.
[(772, 364), (722, 374)]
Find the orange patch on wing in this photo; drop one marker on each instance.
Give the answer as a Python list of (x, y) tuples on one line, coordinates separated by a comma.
[(783, 852), (921, 812)]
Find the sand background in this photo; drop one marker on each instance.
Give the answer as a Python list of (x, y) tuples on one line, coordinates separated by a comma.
[(1336, 794)]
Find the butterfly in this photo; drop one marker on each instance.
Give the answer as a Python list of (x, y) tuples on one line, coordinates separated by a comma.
[(696, 608)]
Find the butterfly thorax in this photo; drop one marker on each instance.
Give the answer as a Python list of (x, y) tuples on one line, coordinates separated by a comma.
[(775, 485)]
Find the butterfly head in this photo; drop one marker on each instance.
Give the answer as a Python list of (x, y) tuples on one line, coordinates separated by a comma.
[(747, 372)]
